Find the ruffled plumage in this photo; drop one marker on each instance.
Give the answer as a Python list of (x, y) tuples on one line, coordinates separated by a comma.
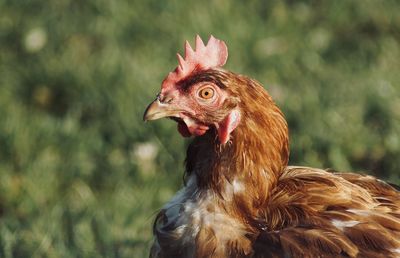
[(241, 199)]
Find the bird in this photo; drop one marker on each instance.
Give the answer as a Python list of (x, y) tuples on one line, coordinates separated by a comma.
[(240, 198)]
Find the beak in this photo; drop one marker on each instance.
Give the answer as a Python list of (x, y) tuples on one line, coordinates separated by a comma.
[(157, 110)]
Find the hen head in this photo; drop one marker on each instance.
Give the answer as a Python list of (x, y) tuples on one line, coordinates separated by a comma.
[(197, 93)]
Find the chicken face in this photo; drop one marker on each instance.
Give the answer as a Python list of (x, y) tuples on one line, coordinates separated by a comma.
[(198, 103)]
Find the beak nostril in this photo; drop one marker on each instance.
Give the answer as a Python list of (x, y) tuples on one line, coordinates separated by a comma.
[(164, 99), (168, 100)]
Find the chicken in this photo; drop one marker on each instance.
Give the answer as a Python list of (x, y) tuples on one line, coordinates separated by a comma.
[(240, 198)]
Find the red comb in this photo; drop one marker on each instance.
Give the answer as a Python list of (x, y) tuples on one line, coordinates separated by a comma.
[(214, 54)]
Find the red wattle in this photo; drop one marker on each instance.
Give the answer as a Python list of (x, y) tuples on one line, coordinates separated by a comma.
[(227, 126)]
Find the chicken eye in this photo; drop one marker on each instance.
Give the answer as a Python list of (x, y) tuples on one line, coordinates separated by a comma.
[(206, 93)]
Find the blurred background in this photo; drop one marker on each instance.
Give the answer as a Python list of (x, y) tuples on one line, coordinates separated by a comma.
[(82, 176)]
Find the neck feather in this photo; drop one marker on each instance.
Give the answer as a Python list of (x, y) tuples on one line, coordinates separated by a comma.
[(252, 160)]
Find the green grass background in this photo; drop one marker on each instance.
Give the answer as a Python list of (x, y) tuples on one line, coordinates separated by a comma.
[(82, 176)]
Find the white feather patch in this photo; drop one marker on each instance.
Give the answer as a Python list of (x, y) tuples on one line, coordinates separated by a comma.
[(340, 224)]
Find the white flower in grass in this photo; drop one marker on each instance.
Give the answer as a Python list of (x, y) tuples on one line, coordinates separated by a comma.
[(144, 155), (35, 40)]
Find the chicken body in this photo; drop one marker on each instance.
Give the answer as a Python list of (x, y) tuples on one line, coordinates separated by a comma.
[(241, 199), (313, 213)]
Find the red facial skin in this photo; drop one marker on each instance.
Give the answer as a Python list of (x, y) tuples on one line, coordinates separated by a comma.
[(193, 107)]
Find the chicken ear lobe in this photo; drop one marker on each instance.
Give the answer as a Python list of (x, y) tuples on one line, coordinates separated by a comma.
[(226, 126)]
